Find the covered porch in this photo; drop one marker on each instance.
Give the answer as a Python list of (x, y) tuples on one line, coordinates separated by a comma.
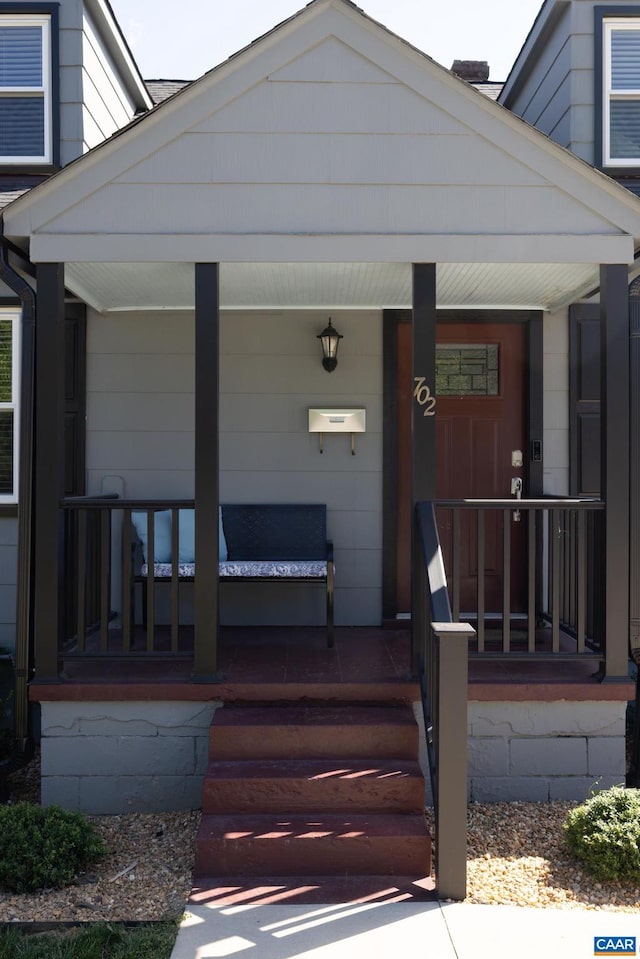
[(204, 248), (329, 170)]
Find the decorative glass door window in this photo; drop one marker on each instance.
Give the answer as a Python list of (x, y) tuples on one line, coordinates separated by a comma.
[(467, 369)]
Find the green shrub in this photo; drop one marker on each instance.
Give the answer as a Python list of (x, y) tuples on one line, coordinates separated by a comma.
[(44, 848), (604, 834)]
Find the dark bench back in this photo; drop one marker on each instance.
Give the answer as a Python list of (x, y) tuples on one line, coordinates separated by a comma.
[(274, 531)]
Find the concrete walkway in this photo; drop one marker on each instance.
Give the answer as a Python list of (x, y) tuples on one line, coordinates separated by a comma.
[(396, 930)]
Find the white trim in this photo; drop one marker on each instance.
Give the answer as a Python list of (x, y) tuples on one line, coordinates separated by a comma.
[(334, 248), (14, 404), (101, 15), (45, 91), (609, 24)]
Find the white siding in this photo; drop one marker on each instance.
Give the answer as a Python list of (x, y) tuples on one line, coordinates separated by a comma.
[(106, 104), (140, 427), (93, 101), (346, 209), (299, 156)]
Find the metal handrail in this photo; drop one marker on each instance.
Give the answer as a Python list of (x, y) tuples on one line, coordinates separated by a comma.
[(443, 683), (526, 504)]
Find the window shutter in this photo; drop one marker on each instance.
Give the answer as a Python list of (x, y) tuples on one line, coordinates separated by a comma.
[(584, 400)]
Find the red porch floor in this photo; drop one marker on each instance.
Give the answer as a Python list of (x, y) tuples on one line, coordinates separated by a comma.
[(271, 663)]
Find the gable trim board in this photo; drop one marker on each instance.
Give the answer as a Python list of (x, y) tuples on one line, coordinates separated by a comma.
[(332, 248), (604, 210)]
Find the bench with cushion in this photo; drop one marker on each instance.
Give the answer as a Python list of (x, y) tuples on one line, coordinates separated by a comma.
[(257, 543)]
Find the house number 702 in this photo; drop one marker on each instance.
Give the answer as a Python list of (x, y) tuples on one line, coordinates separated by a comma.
[(422, 394)]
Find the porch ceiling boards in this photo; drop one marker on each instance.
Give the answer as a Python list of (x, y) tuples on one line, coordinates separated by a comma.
[(170, 286)]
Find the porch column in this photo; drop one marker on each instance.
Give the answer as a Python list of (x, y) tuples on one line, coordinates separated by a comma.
[(614, 462), (423, 427), (205, 663), (634, 472), (49, 467)]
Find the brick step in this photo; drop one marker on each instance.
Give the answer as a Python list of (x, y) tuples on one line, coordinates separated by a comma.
[(318, 785), (313, 731), (218, 893), (330, 844)]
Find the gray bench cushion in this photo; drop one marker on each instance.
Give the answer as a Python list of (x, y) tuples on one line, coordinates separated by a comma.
[(245, 569)]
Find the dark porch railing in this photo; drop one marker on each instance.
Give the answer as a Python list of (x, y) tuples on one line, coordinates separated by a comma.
[(533, 588), (443, 681), (528, 573), (100, 619)]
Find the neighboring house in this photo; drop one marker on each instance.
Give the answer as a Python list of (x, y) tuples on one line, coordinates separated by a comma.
[(327, 170), (577, 79), (67, 82)]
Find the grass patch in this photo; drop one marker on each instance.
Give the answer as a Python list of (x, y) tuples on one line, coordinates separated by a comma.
[(100, 941)]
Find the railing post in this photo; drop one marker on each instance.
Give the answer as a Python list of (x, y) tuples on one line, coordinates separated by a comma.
[(450, 744)]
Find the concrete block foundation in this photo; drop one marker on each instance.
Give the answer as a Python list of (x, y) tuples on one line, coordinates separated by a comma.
[(541, 751), (117, 757)]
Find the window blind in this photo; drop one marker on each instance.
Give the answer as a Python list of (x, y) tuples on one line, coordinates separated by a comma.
[(20, 56), (22, 126), (625, 59)]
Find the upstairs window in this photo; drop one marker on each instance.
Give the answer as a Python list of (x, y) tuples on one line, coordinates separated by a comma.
[(9, 396), (25, 89), (621, 92)]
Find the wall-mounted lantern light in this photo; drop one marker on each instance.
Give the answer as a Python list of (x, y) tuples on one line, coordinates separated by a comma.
[(330, 339)]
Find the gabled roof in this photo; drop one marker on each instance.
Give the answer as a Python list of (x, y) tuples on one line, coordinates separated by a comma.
[(13, 185), (329, 140), (160, 90)]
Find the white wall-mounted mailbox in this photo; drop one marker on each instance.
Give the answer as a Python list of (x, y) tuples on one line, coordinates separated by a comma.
[(340, 420)]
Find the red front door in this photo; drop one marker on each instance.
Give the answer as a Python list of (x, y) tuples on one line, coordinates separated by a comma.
[(480, 432)]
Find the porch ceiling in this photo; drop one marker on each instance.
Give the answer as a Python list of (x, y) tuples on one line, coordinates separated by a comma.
[(170, 286)]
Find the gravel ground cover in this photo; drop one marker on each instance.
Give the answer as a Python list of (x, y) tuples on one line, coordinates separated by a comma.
[(146, 875), (516, 857)]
